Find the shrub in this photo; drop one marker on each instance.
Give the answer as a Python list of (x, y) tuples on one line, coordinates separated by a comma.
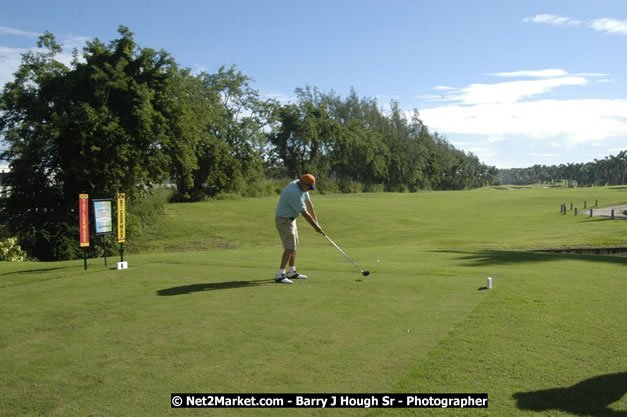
[(349, 186), (141, 212), (10, 251), (261, 187)]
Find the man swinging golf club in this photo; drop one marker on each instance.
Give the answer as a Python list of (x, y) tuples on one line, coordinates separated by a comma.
[(293, 202)]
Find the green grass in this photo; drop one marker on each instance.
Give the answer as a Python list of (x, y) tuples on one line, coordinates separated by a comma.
[(197, 310), (478, 219), (552, 322)]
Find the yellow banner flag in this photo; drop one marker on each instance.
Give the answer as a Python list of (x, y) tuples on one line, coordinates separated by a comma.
[(121, 217), (83, 222)]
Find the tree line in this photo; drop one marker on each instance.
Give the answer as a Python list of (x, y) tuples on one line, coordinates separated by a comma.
[(126, 118), (612, 170)]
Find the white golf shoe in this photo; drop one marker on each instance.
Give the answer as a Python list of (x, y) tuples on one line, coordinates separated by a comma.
[(281, 279), (296, 275)]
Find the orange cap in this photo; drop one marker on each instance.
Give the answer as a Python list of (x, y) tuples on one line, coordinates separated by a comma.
[(310, 180)]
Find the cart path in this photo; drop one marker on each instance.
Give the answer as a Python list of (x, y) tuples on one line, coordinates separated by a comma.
[(619, 212)]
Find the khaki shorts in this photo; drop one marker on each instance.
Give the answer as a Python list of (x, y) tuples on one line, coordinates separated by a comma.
[(288, 232)]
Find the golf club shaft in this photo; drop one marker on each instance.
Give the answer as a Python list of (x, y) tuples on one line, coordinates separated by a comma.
[(338, 248)]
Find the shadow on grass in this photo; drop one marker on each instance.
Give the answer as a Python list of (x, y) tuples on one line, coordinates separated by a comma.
[(488, 258), (37, 270), (188, 289), (591, 397), (602, 218)]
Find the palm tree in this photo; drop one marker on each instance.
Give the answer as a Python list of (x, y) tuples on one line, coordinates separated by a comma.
[(622, 166)]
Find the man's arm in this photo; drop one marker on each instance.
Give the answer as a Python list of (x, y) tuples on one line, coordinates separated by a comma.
[(310, 209), (312, 221)]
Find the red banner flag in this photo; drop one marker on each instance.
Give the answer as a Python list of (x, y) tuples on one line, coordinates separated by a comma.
[(83, 219)]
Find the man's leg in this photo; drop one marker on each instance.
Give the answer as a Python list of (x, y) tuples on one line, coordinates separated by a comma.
[(288, 257), (280, 276), (289, 236), (292, 271)]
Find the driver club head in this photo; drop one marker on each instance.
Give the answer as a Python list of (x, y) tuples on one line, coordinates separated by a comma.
[(366, 273)]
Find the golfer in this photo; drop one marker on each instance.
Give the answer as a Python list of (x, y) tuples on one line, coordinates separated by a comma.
[(294, 201)]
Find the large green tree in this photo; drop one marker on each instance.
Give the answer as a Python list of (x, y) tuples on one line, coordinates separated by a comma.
[(202, 164), (241, 116), (303, 138), (97, 127), (221, 139)]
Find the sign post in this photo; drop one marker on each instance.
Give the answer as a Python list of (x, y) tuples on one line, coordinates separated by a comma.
[(104, 222), (122, 228), (83, 223)]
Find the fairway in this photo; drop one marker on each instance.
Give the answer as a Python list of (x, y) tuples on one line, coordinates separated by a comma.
[(198, 309)]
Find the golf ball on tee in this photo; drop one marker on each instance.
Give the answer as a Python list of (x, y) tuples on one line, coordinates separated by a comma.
[(378, 261)]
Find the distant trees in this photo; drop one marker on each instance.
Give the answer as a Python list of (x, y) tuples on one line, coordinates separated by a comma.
[(124, 118), (352, 139), (612, 170)]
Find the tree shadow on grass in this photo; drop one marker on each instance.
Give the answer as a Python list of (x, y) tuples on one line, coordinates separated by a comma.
[(591, 397), (213, 286), (489, 258), (37, 270)]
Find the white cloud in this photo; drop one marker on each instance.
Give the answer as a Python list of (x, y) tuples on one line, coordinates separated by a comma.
[(486, 152), (610, 26), (547, 73), (18, 32), (552, 20), (506, 111), (605, 24), (495, 139), (541, 82), (512, 91), (567, 121)]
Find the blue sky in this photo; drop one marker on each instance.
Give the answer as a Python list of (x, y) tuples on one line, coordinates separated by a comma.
[(516, 83)]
